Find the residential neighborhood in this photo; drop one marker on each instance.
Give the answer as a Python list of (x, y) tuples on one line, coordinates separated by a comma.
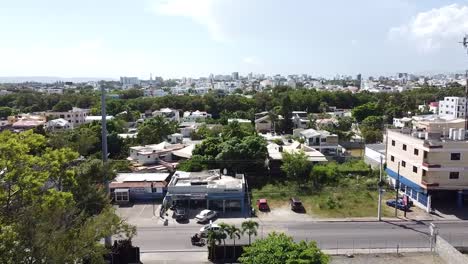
[(252, 132)]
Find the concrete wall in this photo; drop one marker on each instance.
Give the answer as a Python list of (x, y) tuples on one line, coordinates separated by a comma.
[(448, 253)]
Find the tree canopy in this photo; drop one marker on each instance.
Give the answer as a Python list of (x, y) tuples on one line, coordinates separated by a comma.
[(52, 211), (280, 248)]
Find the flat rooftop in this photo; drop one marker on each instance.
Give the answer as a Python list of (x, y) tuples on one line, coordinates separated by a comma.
[(210, 179)]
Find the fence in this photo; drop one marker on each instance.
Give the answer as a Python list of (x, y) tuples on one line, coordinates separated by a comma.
[(448, 253)]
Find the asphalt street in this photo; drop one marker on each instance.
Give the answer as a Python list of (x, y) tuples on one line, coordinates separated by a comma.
[(329, 235)]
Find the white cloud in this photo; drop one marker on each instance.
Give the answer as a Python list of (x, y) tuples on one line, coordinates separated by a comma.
[(200, 11), (433, 29)]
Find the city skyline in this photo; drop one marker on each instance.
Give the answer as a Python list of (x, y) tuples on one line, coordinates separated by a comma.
[(177, 38)]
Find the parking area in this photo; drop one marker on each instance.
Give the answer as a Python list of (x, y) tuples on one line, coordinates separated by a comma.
[(149, 215)]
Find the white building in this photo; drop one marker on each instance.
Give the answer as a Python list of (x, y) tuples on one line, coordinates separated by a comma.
[(54, 91), (402, 122), (321, 140), (454, 107), (90, 119), (167, 113), (57, 125), (374, 154), (219, 192), (152, 154), (129, 82), (300, 119), (75, 117), (197, 116)]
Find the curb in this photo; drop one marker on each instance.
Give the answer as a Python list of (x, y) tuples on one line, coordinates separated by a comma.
[(172, 250)]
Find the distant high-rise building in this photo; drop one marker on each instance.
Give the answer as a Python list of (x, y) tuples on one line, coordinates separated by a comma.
[(359, 80), (235, 76), (250, 76), (129, 82)]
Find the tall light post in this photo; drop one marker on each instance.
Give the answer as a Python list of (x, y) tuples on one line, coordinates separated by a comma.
[(107, 239)]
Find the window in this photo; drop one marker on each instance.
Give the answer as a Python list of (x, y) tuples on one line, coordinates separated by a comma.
[(425, 155), (323, 140), (416, 151), (403, 163), (424, 173), (415, 169), (454, 175), (393, 142), (404, 146), (148, 157), (121, 196), (455, 156), (392, 158)]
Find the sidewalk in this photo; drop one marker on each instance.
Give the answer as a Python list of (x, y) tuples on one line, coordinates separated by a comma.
[(175, 257)]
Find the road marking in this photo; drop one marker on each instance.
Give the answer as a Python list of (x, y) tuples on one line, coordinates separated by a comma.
[(143, 209)]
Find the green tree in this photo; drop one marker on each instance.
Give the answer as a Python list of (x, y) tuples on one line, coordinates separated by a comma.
[(213, 238), (5, 112), (155, 130), (365, 110), (286, 112), (250, 227), (45, 210), (223, 228), (281, 249), (296, 166), (62, 106), (373, 122), (233, 232)]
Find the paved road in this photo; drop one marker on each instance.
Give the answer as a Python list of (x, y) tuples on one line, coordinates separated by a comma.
[(329, 235)]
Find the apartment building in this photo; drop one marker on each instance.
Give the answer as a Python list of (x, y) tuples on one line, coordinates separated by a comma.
[(321, 140), (454, 107), (75, 117), (429, 167)]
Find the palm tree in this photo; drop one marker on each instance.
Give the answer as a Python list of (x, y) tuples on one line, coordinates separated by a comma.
[(213, 238), (250, 227), (233, 232), (223, 229)]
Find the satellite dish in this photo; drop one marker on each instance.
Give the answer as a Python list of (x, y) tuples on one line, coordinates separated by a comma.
[(225, 171)]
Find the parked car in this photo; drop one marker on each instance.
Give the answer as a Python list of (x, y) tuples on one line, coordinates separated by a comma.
[(180, 213), (210, 227), (296, 204), (262, 205), (205, 215), (399, 204)]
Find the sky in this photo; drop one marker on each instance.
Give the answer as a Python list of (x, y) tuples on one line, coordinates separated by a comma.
[(177, 38)]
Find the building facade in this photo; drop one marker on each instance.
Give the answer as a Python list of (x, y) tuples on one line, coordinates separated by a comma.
[(208, 189), (75, 117), (454, 107), (429, 168)]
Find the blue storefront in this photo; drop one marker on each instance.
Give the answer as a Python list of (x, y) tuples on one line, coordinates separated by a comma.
[(417, 194)]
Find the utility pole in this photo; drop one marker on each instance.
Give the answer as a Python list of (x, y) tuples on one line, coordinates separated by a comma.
[(107, 239), (397, 187), (379, 208), (465, 45)]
